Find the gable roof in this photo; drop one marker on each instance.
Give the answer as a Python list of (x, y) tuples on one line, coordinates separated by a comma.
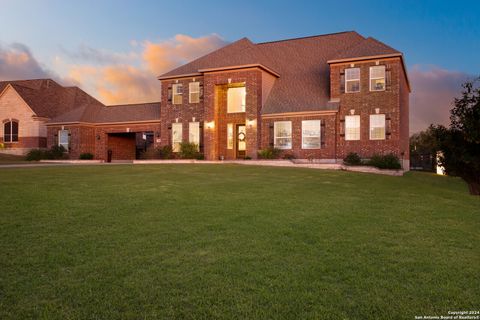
[(94, 113), (301, 65), (49, 99), (238, 53)]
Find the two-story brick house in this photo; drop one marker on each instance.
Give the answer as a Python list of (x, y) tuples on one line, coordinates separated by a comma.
[(316, 97)]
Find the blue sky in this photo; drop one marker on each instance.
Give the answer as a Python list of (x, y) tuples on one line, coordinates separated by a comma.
[(438, 38)]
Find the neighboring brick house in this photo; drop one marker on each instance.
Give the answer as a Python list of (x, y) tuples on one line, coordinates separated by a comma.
[(41, 113), (317, 97), (27, 105)]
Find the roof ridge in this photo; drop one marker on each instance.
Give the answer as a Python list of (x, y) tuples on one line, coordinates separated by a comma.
[(132, 104), (209, 54), (312, 36)]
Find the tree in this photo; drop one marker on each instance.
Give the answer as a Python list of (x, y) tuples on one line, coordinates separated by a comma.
[(423, 149), (460, 143)]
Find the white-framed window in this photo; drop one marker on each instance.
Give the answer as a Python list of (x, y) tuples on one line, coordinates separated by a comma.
[(10, 131), (236, 98), (282, 134), (377, 127), (177, 91), (177, 136), (311, 134), (352, 80), (377, 78), (229, 135), (63, 139), (194, 92), (352, 127), (194, 133)]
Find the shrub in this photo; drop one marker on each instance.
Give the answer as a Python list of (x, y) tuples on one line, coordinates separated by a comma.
[(35, 155), (389, 161), (164, 152), (54, 153), (352, 159), (248, 158), (310, 157), (2, 145), (269, 153), (86, 156), (189, 150), (288, 156)]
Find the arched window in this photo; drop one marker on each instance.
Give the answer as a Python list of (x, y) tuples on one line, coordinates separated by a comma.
[(10, 131)]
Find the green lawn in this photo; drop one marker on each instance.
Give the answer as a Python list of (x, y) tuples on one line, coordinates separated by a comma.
[(232, 241)]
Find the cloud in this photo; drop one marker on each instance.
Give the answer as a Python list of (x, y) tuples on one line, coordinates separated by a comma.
[(163, 56), (85, 53), (17, 62), (433, 92), (117, 81)]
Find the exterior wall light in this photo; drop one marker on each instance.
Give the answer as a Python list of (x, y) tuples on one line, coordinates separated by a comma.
[(251, 123), (210, 125)]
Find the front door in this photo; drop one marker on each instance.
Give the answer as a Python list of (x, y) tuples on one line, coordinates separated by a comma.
[(241, 140)]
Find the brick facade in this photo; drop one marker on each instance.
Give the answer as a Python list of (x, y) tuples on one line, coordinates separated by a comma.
[(393, 102), (98, 139), (212, 111)]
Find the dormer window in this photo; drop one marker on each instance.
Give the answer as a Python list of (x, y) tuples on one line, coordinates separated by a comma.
[(177, 89), (377, 78), (352, 80)]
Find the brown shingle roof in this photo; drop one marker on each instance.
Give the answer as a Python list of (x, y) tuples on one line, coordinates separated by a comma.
[(49, 99), (241, 52), (106, 114), (366, 48), (302, 65)]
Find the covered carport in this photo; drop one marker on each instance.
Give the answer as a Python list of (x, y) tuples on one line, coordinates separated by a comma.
[(121, 146)]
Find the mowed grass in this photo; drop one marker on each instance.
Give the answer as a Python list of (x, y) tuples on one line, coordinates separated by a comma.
[(234, 242)]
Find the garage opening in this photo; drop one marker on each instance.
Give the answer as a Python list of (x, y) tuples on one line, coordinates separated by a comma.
[(128, 145)]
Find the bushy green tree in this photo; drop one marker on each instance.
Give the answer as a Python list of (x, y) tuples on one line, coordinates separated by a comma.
[(460, 143)]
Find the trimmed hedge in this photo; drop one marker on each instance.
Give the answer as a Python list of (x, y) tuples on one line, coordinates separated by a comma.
[(86, 156), (389, 161), (269, 153), (54, 153), (352, 159), (164, 152)]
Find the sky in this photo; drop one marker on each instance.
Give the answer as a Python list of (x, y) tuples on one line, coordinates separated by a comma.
[(115, 49)]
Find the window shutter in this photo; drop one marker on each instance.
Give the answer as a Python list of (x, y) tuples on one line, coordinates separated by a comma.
[(388, 77), (200, 125), (388, 121), (170, 94), (271, 135), (322, 134), (342, 81), (201, 92), (342, 127), (69, 141)]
